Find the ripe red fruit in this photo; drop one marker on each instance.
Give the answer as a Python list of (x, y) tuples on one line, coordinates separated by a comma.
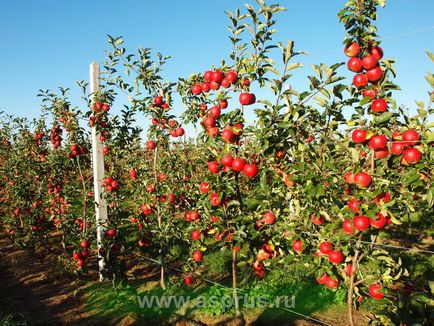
[(369, 62), (76, 255), (217, 76), (197, 256), (208, 75), (238, 164), (196, 89), (231, 76), (250, 170), (347, 227), (354, 205), (380, 222), (268, 218), (377, 52), (336, 256), (146, 209), (349, 177), (204, 187), (374, 291), (194, 215), (105, 150), (378, 142), (214, 85), (158, 100), (195, 235), (348, 269), (297, 245), (215, 199), (228, 135), (226, 83), (227, 160), (360, 80), (179, 132), (247, 98), (150, 144), (205, 87), (379, 105), (215, 111), (189, 280), (223, 104), (397, 148), (372, 92), (209, 122), (326, 247), (80, 262), (411, 156), (150, 188), (381, 153), (410, 137), (352, 50), (383, 197), (133, 174), (359, 135), (288, 181), (362, 179), (323, 279), (111, 232), (361, 222), (375, 74), (84, 253), (317, 220), (213, 131), (213, 167), (355, 64), (85, 244), (331, 283)]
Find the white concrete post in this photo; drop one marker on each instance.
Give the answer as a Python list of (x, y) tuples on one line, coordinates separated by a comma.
[(98, 174)]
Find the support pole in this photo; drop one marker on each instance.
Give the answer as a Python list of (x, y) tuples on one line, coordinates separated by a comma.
[(98, 174)]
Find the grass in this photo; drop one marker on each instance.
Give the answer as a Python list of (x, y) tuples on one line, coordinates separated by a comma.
[(107, 302)]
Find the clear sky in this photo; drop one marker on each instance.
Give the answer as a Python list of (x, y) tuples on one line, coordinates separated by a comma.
[(46, 43)]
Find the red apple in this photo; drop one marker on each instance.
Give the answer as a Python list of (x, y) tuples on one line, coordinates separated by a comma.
[(359, 135), (362, 179), (369, 62), (352, 50), (250, 170), (197, 256), (410, 137), (297, 245), (375, 74), (361, 222), (336, 256), (379, 105), (326, 247), (213, 167), (360, 80), (374, 291), (238, 164), (247, 98), (411, 156), (355, 64)]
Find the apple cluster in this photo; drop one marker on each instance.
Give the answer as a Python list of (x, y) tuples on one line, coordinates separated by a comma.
[(173, 125), (365, 63)]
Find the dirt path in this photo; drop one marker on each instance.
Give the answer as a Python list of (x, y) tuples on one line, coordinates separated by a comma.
[(30, 286)]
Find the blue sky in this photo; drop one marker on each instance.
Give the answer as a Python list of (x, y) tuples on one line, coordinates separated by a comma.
[(47, 43)]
